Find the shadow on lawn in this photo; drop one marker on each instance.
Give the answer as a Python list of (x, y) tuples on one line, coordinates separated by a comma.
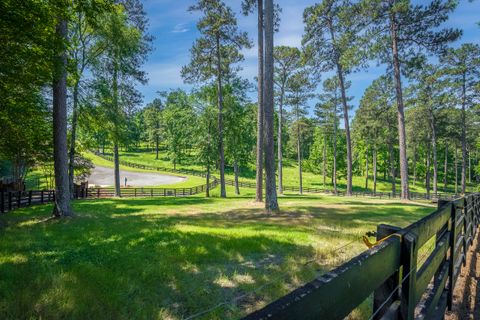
[(135, 267)]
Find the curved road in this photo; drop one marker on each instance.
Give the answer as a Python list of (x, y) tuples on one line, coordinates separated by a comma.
[(103, 176)]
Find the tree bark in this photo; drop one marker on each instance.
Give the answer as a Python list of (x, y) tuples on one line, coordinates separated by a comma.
[(324, 160), (71, 162), (156, 146), (415, 165), (392, 167), (271, 203), (207, 189), (464, 136), (221, 155), (445, 169), (299, 156), (116, 157), (60, 150), (235, 170), (116, 163), (374, 171), (334, 173), (260, 113), (427, 172), (456, 169), (402, 139), (434, 152), (366, 169), (279, 139)]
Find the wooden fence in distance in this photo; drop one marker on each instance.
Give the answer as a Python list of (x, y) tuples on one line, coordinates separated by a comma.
[(11, 200), (403, 286)]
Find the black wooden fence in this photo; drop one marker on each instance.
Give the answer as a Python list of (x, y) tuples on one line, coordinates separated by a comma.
[(403, 285), (11, 200)]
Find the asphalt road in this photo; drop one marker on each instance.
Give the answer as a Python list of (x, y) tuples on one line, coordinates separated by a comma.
[(102, 176)]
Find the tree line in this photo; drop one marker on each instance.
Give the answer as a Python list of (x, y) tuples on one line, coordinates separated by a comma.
[(419, 120)]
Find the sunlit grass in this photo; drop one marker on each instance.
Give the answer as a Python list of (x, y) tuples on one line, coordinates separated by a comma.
[(169, 258)]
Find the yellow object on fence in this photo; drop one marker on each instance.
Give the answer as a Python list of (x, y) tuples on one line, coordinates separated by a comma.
[(373, 244)]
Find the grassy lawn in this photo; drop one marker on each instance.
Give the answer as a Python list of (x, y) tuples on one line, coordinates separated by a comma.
[(171, 258), (290, 173)]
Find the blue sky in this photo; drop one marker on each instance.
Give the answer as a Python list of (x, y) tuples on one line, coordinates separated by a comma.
[(174, 29)]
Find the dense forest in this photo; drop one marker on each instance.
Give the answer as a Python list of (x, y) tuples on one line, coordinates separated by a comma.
[(70, 71)]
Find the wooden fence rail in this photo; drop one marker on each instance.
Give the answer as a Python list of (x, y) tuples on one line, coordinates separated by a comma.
[(403, 285), (11, 200)]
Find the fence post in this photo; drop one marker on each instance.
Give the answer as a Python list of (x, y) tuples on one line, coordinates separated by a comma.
[(9, 200), (135, 192), (409, 257), (2, 202), (164, 192), (174, 192), (451, 267), (382, 293), (98, 193), (30, 197), (19, 199), (41, 196)]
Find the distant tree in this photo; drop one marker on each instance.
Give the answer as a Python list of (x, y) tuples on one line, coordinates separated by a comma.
[(212, 57), (327, 113), (299, 92), (330, 36), (287, 61), (462, 66), (398, 33), (126, 46), (179, 121), (239, 125), (152, 116)]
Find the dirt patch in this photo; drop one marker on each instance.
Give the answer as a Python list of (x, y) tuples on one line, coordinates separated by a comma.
[(466, 297)]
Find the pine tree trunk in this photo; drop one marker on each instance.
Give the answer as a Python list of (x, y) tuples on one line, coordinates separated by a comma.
[(434, 153), (235, 171), (71, 162), (334, 173), (156, 146), (324, 160), (279, 139), (366, 170), (221, 155), (260, 113), (116, 163), (207, 189), (469, 167), (402, 139), (414, 165), (271, 203), (456, 169), (299, 157), (60, 150), (427, 172), (464, 137), (374, 171), (445, 169), (116, 157), (392, 167)]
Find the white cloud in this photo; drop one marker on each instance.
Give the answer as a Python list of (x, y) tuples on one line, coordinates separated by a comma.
[(180, 28)]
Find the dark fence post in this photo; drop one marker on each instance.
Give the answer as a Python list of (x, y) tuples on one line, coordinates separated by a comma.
[(19, 199), (30, 197), (409, 254), (41, 196), (451, 267), (9, 200), (382, 293)]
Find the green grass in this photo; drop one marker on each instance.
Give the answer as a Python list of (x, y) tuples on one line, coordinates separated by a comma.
[(170, 258), (290, 173)]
